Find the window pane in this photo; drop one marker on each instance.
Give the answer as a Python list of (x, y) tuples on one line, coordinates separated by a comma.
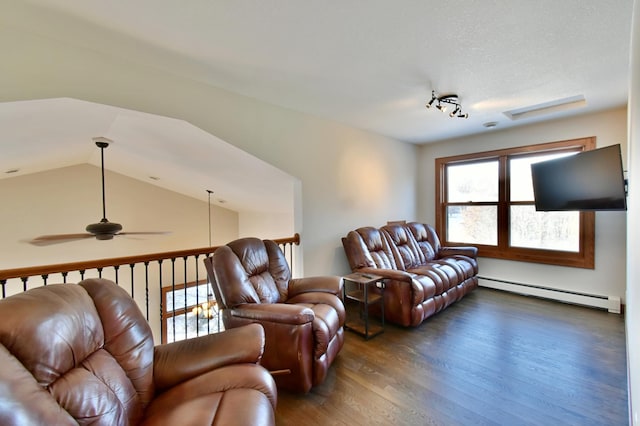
[(520, 174), (544, 230), (472, 224), (198, 324), (472, 182), (195, 295)]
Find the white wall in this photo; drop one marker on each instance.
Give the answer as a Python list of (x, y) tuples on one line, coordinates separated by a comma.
[(348, 177), (608, 278), (266, 225), (66, 200), (633, 222)]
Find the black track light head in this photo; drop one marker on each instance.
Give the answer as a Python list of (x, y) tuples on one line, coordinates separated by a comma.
[(433, 99), (442, 101)]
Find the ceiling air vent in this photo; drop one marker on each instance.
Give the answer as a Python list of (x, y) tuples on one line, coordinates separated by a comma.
[(547, 107)]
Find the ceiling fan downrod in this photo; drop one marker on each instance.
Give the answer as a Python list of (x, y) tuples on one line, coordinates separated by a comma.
[(102, 144), (103, 230)]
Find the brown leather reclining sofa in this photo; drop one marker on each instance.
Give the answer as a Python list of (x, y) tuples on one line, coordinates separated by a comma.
[(83, 354), (422, 277)]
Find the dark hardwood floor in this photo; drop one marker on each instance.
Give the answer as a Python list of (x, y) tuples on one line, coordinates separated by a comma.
[(493, 358)]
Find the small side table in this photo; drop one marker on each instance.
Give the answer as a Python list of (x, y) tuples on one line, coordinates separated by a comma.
[(356, 288)]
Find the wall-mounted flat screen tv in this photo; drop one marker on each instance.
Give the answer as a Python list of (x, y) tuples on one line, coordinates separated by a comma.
[(590, 180)]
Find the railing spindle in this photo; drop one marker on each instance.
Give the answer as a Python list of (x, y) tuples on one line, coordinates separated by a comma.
[(161, 301), (131, 266)]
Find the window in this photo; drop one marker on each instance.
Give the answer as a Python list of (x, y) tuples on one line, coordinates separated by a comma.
[(188, 311), (486, 200)]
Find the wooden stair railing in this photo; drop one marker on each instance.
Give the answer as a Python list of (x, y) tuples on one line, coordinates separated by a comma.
[(157, 271)]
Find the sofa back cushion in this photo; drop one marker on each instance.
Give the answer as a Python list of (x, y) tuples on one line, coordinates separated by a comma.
[(404, 246), (250, 270), (74, 353), (426, 239), (367, 247)]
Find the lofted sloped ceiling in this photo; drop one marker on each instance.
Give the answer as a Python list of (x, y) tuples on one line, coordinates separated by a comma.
[(162, 151), (369, 64)]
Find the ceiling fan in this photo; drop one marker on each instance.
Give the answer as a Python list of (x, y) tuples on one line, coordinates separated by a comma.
[(103, 230)]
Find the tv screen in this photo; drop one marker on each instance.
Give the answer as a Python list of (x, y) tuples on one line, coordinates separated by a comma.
[(590, 180)]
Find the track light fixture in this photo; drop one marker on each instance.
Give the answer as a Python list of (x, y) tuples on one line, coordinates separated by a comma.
[(441, 103)]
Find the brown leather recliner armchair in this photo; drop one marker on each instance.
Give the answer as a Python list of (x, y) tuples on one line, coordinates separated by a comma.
[(84, 354), (303, 318)]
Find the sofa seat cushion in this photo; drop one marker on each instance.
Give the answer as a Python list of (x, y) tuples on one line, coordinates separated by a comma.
[(469, 264), (465, 269), (435, 282), (428, 285), (446, 276), (221, 394), (221, 408)]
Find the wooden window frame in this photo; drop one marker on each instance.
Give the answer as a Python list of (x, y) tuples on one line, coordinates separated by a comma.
[(584, 258)]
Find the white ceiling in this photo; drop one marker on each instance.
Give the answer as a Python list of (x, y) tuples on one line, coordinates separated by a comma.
[(369, 64)]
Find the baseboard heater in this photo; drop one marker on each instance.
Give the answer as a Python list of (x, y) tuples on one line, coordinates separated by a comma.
[(610, 303)]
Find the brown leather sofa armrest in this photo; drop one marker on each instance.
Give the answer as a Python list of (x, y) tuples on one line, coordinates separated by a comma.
[(323, 284), (452, 251), (273, 312), (392, 274), (180, 361)]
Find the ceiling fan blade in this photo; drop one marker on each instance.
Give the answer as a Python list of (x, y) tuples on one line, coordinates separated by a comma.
[(134, 235), (144, 233), (45, 240)]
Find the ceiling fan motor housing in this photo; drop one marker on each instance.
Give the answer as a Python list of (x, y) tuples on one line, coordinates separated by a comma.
[(104, 230)]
